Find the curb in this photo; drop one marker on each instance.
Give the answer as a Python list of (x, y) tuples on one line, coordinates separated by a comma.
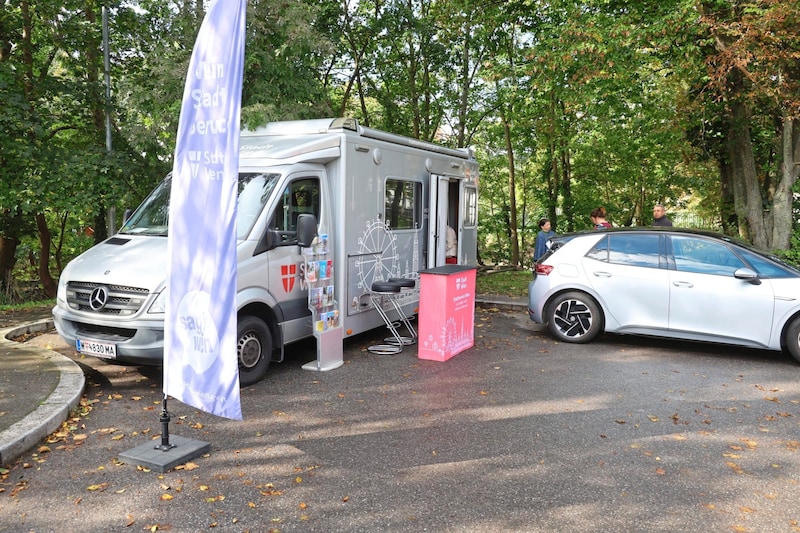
[(501, 303), (51, 413), (49, 416)]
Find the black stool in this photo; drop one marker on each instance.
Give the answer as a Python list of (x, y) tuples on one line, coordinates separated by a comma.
[(405, 283), (379, 292)]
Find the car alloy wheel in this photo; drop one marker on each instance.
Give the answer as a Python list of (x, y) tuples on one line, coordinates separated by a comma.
[(574, 317)]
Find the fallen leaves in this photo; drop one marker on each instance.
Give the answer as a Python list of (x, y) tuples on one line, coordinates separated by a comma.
[(733, 466), (751, 444)]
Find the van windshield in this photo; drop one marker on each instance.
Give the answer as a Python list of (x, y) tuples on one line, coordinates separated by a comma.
[(152, 216)]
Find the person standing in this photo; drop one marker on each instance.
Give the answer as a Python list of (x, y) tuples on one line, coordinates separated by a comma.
[(451, 246), (545, 234), (598, 217), (660, 216)]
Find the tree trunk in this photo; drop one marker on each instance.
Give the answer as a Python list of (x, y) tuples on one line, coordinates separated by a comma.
[(48, 284), (8, 249), (727, 209), (512, 194), (747, 192), (782, 203)]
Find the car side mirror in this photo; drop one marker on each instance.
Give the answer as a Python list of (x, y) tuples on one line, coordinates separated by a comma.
[(747, 274), (306, 229)]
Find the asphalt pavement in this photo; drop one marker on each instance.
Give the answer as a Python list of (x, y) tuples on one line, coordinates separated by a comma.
[(518, 434), (40, 386)]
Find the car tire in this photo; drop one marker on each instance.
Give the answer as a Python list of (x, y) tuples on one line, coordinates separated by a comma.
[(574, 317), (253, 350), (791, 338)]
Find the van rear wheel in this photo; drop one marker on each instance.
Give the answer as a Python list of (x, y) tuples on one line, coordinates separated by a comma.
[(253, 350)]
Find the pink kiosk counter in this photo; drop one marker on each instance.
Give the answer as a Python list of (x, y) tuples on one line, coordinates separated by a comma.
[(446, 311)]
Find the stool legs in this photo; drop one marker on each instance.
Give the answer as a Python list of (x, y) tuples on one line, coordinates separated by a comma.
[(404, 283), (379, 291)]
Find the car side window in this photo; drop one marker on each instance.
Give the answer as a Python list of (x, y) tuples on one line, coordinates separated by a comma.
[(634, 250), (766, 268), (703, 256), (599, 251)]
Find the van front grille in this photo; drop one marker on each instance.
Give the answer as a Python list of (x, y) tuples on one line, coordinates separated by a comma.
[(105, 299)]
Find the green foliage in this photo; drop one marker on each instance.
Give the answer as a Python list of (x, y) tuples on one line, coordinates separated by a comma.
[(503, 282), (569, 104), (792, 255)]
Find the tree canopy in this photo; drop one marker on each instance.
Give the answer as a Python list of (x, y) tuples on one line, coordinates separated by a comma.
[(569, 105)]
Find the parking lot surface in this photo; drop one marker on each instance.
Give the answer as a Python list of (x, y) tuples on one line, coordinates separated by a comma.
[(517, 434)]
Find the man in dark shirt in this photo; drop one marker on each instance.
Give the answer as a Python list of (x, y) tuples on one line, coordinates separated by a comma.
[(660, 216)]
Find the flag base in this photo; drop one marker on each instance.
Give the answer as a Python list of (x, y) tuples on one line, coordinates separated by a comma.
[(152, 456), (318, 367)]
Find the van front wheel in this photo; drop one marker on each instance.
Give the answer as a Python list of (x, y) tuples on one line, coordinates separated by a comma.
[(253, 350)]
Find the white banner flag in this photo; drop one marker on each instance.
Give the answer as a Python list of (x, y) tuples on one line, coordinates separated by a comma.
[(200, 361)]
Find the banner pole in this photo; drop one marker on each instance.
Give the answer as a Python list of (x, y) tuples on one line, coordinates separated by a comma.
[(164, 419), (166, 455)]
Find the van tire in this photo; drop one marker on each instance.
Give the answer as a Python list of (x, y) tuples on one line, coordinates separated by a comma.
[(253, 350)]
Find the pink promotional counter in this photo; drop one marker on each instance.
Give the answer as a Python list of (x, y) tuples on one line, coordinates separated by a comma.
[(446, 311)]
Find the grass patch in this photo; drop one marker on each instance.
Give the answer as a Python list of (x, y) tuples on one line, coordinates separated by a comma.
[(503, 282), (27, 305)]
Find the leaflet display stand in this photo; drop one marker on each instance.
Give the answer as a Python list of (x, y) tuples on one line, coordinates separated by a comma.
[(324, 307)]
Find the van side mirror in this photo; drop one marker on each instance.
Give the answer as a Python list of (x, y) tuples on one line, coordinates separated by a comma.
[(306, 229)]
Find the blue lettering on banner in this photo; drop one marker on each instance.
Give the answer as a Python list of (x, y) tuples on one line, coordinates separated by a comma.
[(203, 345)]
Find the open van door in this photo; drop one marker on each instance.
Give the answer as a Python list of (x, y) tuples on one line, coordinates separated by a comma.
[(444, 212)]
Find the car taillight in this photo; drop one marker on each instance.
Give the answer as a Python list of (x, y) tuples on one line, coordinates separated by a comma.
[(543, 270)]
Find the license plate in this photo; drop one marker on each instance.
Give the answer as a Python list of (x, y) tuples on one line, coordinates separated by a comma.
[(97, 349)]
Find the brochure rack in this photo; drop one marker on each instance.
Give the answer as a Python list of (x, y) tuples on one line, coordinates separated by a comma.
[(323, 305)]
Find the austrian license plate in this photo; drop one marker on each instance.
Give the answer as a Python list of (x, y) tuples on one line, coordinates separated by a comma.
[(97, 349)]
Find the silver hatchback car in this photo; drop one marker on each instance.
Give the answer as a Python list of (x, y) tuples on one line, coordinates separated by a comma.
[(681, 284)]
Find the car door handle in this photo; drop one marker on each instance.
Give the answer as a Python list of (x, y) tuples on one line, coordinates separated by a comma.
[(686, 284), (601, 274)]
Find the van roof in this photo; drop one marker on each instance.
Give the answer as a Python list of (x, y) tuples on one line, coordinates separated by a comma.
[(269, 134)]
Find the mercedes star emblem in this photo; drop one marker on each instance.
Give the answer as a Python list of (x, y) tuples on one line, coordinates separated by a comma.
[(98, 299)]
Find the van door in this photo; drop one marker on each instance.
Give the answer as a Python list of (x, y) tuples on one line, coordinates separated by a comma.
[(444, 213), (286, 277)]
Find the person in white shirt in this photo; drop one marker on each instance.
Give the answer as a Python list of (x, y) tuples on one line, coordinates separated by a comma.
[(451, 246)]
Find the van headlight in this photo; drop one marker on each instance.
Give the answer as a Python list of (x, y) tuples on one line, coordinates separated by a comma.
[(160, 304), (61, 293)]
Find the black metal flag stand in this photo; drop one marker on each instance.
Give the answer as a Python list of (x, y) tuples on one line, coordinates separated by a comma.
[(167, 455)]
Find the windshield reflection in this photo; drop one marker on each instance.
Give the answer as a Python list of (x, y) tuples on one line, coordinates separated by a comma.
[(152, 216)]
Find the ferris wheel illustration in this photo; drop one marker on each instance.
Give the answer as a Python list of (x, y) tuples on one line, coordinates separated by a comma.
[(378, 258)]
